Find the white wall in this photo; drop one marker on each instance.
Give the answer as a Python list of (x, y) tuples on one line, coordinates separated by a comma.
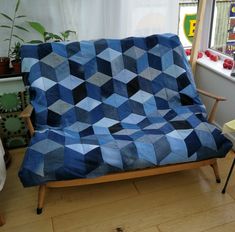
[(219, 85)]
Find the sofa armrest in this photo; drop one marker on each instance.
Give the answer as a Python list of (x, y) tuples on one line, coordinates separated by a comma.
[(2, 220), (27, 112), (26, 115), (217, 99), (210, 95)]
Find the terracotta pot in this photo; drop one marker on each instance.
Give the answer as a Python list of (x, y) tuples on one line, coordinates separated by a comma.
[(16, 66), (4, 65)]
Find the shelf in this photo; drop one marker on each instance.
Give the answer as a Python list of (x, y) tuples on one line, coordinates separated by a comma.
[(11, 74)]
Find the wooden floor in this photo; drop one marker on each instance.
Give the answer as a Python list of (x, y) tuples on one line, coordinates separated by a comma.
[(176, 202)]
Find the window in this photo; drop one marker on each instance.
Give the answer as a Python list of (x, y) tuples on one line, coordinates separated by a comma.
[(152, 17), (187, 21), (223, 27)]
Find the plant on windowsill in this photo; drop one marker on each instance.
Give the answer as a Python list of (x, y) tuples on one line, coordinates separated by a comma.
[(12, 28), (15, 55), (4, 65), (49, 36)]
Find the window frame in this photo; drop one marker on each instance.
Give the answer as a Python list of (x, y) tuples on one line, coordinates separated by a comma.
[(178, 30), (206, 45)]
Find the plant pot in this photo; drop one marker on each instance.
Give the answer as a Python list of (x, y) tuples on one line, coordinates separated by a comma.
[(4, 65), (16, 66)]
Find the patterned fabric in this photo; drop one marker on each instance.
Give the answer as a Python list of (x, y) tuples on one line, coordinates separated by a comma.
[(113, 105)]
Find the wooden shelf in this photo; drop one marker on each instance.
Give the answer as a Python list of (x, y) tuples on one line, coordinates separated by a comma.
[(11, 74)]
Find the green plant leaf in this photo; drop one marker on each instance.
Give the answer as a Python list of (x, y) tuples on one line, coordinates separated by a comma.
[(48, 36), (15, 51), (66, 34), (21, 28), (5, 26), (6, 39), (17, 5), (6, 16), (35, 41), (37, 27), (21, 16), (16, 36), (57, 37), (69, 31)]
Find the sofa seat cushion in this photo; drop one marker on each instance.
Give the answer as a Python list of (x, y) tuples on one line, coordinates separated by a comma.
[(85, 150)]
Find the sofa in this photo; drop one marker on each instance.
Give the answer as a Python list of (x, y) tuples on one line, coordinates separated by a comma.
[(114, 109)]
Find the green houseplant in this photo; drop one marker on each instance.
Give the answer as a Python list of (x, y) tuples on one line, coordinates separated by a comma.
[(49, 36), (13, 28)]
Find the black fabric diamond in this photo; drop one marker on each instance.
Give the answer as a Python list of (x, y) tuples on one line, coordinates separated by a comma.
[(193, 143), (115, 128), (180, 125), (185, 100), (133, 87), (79, 93)]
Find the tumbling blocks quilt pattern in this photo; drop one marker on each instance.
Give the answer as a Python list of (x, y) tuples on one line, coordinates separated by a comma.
[(111, 105)]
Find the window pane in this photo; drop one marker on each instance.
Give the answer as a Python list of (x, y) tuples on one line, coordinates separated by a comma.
[(223, 27), (187, 21), (152, 16)]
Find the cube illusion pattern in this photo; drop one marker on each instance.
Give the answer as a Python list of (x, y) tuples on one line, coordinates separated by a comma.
[(113, 105)]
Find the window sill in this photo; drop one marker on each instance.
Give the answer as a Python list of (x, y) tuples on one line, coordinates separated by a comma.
[(216, 67)]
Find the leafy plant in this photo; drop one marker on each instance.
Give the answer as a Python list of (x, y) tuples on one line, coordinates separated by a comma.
[(47, 36), (15, 52), (65, 35), (12, 26)]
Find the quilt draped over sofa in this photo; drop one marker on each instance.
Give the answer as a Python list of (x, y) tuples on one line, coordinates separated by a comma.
[(113, 105)]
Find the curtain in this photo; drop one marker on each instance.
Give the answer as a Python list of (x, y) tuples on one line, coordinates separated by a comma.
[(94, 19), (122, 18)]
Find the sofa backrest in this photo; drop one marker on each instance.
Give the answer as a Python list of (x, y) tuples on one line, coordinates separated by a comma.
[(89, 80)]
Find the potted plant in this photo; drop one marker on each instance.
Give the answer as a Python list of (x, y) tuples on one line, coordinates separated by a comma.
[(12, 28), (4, 65), (15, 55)]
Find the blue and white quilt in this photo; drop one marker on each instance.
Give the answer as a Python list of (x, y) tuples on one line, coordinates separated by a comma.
[(112, 105)]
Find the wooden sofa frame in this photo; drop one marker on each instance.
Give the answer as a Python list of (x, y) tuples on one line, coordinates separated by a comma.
[(26, 115)]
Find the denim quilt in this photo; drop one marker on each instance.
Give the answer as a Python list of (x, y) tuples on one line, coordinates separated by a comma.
[(113, 105)]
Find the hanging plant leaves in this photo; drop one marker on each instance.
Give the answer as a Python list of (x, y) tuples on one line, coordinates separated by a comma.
[(16, 36), (17, 5), (21, 28), (6, 16)]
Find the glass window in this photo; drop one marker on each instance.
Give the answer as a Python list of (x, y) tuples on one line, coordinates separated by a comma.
[(187, 21), (152, 16), (223, 27)]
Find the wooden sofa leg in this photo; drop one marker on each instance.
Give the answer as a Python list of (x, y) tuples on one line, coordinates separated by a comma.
[(216, 171), (41, 197), (2, 220)]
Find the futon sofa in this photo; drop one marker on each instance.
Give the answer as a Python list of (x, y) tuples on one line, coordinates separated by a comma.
[(114, 109)]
